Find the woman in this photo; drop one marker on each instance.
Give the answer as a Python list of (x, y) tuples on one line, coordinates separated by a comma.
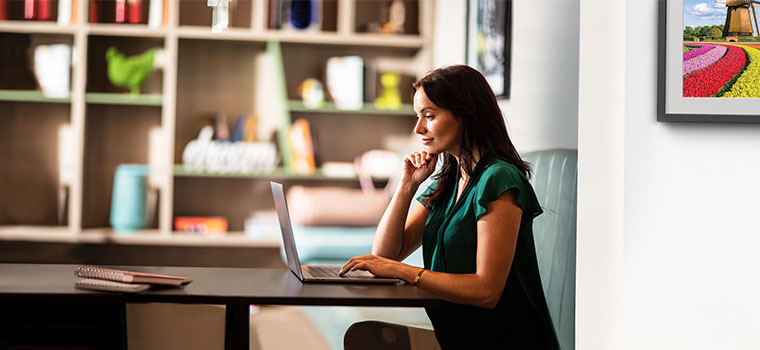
[(474, 222)]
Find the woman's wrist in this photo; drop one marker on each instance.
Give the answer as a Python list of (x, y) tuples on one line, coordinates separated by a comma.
[(418, 277), (409, 273), (408, 187)]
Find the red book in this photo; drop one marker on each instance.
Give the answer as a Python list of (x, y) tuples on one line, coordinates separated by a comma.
[(102, 273), (3, 15), (93, 11), (135, 11), (43, 10)]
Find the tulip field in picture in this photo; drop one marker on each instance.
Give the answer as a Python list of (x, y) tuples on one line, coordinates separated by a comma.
[(721, 70)]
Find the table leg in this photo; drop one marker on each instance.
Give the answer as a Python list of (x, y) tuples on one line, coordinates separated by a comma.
[(237, 327)]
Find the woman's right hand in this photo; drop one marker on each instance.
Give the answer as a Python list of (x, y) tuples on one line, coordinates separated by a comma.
[(418, 166)]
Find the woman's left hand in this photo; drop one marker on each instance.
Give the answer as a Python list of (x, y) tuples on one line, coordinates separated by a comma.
[(378, 266)]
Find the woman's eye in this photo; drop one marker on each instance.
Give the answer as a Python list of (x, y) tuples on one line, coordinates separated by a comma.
[(429, 116)]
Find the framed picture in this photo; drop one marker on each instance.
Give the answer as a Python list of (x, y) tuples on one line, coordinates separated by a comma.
[(489, 41), (708, 61)]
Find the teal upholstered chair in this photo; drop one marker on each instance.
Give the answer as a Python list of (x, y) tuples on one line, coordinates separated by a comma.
[(555, 182)]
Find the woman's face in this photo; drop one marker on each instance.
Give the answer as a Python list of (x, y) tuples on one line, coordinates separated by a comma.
[(438, 129)]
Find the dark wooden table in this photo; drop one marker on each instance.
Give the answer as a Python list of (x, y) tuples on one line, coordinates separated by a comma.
[(23, 286)]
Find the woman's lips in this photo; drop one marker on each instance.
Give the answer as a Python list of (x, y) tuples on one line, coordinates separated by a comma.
[(426, 141)]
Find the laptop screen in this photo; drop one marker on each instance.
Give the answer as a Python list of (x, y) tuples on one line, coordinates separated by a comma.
[(288, 240)]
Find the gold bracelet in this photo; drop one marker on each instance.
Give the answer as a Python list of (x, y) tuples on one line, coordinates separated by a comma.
[(417, 279)]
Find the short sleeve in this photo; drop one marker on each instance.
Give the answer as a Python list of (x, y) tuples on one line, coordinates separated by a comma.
[(499, 178), (422, 197)]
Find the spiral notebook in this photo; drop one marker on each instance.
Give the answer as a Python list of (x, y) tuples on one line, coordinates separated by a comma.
[(124, 276), (110, 286)]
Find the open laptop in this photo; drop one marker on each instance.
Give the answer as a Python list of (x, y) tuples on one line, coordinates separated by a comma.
[(313, 273)]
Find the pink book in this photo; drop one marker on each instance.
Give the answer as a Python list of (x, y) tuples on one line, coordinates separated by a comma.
[(29, 9), (121, 11)]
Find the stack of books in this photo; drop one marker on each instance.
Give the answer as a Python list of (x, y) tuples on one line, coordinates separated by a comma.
[(113, 280)]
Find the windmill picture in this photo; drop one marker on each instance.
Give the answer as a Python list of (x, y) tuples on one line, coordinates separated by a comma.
[(740, 17), (721, 49)]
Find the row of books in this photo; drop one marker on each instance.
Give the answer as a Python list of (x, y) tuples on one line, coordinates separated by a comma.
[(101, 11), (113, 280)]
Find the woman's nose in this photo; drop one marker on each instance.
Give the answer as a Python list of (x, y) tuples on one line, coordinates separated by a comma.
[(419, 128)]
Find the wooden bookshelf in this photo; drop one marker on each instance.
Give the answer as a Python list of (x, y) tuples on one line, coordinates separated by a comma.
[(247, 69)]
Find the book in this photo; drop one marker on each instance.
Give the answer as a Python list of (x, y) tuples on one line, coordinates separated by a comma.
[(94, 18), (155, 13), (29, 10), (165, 18), (64, 12), (302, 156), (102, 273), (110, 286), (135, 11), (273, 19), (75, 11), (202, 225), (43, 10), (121, 11)]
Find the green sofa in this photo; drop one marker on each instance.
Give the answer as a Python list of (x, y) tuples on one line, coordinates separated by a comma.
[(555, 182)]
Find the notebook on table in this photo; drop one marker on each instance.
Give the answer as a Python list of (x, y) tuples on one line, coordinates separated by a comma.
[(307, 273), (110, 286), (115, 275)]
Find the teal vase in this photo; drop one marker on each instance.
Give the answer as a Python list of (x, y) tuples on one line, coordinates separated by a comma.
[(128, 212)]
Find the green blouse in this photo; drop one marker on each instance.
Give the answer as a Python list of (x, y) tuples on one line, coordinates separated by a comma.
[(449, 244)]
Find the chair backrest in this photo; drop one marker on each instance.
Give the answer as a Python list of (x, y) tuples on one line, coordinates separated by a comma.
[(555, 180)]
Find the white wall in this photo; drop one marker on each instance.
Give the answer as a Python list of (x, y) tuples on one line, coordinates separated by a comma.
[(542, 111), (601, 108), (692, 203), (670, 211)]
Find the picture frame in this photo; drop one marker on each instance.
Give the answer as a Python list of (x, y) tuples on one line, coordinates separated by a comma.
[(489, 39), (672, 106)]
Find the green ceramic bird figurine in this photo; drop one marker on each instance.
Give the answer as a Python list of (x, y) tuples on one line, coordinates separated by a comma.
[(129, 72)]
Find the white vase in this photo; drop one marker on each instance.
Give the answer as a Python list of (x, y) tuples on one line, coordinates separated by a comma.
[(52, 67)]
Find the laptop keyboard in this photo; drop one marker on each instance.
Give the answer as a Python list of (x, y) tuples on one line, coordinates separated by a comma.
[(324, 271)]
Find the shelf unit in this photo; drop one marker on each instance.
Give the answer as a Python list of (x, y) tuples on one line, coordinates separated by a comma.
[(59, 188)]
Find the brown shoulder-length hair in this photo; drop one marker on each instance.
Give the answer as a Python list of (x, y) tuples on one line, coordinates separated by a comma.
[(465, 93)]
